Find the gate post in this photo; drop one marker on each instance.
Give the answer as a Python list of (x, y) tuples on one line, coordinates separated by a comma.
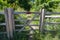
[(42, 17), (9, 22)]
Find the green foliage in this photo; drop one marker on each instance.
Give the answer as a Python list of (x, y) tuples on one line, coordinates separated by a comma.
[(34, 5), (11, 1), (47, 4), (24, 4)]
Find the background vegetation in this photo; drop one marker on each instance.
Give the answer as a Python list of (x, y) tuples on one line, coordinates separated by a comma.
[(34, 5)]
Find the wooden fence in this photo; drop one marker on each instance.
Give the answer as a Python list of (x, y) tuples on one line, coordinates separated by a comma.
[(10, 25)]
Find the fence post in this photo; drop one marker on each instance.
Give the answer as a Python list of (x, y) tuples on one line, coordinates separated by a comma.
[(42, 17), (10, 22), (7, 22)]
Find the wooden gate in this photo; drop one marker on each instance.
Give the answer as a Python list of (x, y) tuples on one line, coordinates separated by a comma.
[(17, 22), (11, 20)]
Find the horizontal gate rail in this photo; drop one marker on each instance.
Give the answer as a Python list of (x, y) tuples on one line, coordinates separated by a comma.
[(1, 12), (26, 20), (52, 22), (57, 16), (3, 32), (47, 13), (25, 12), (52, 13), (27, 25), (2, 23)]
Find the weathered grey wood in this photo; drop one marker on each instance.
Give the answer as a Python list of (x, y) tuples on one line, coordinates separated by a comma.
[(2, 23), (26, 20), (47, 13), (54, 13), (25, 12), (52, 22), (56, 16), (7, 22), (1, 12), (42, 17), (3, 32), (27, 25), (11, 21)]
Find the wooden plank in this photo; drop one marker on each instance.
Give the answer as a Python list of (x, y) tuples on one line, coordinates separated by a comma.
[(1, 12), (47, 13), (34, 25), (51, 13), (21, 12), (52, 22), (27, 25), (3, 32), (11, 22), (7, 22), (42, 17), (25, 12), (19, 30), (25, 20), (45, 30), (49, 30), (57, 16), (2, 23), (19, 25)]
